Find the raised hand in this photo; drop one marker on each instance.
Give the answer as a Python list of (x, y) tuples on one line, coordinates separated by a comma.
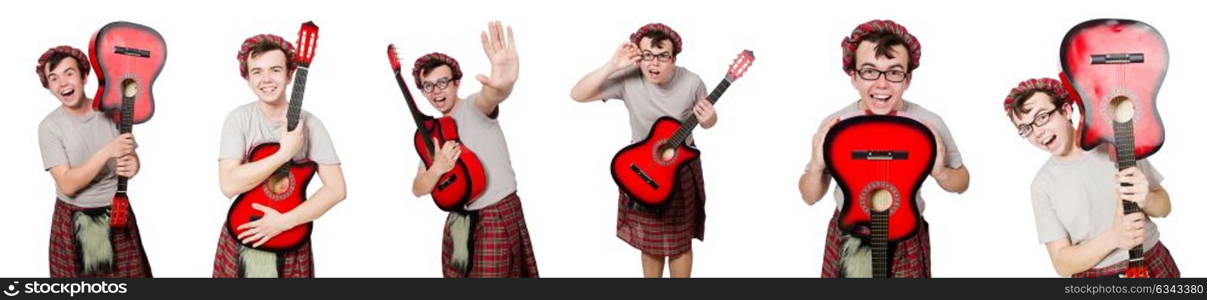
[(504, 61), (626, 55)]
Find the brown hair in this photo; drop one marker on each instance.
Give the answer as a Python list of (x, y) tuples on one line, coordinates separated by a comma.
[(885, 41)]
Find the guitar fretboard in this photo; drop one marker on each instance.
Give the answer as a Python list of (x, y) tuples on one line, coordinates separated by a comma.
[(690, 123), (1125, 157), (879, 244), (126, 126), (418, 116), (295, 107)]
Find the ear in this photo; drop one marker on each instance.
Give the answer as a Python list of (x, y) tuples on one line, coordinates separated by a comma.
[(854, 84), (1067, 109)]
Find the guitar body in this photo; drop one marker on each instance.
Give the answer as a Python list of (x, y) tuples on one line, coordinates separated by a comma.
[(1107, 59), (121, 52), (641, 170), (887, 156), (282, 193), (466, 181)]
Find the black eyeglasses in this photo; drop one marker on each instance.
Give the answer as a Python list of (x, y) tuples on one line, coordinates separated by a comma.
[(890, 75), (662, 57), (441, 83), (1040, 119)]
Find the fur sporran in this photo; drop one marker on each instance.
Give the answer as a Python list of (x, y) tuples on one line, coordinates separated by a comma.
[(94, 247), (854, 258), (460, 228), (254, 263)]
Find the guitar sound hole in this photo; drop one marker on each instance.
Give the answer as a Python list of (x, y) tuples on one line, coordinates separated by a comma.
[(279, 187), (662, 154), (879, 196), (1124, 108), (881, 200)]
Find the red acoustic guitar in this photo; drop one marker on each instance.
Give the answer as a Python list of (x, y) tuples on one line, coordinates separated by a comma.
[(285, 189), (879, 163), (1116, 67), (646, 170), (127, 58), (466, 181)]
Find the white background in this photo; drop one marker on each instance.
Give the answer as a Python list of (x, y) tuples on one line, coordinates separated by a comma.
[(973, 53)]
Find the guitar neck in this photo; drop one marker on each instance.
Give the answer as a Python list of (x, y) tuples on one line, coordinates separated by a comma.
[(126, 125), (690, 123), (295, 106), (1125, 157), (879, 244), (295, 99), (415, 113)]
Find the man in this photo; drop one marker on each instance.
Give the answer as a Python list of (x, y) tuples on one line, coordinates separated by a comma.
[(488, 237), (265, 61), (642, 73), (880, 56), (84, 154), (1077, 195)]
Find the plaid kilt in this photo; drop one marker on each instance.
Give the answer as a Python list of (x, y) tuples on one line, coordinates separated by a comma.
[(911, 257), (128, 253), (669, 232), (500, 246), (295, 264), (1159, 262)]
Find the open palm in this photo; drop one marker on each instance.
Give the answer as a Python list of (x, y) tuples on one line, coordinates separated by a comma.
[(504, 62)]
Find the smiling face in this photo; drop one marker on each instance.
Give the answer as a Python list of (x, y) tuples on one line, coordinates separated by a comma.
[(443, 99), (880, 96), (1055, 136), (267, 75), (655, 70), (66, 83)]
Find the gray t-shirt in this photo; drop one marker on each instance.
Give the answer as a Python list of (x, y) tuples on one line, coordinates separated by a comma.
[(483, 135), (65, 139), (1077, 200), (647, 102), (247, 127), (917, 112)]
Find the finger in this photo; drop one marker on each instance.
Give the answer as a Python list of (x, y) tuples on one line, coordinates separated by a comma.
[(497, 27), (483, 79), (263, 208), (253, 239), (248, 233), (510, 38), (486, 45)]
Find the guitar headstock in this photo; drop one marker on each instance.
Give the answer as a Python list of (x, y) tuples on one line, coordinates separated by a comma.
[(308, 37), (740, 64), (393, 54)]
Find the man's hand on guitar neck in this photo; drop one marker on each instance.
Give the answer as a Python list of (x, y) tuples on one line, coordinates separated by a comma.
[(704, 112), (127, 166), (1153, 200), (291, 142)]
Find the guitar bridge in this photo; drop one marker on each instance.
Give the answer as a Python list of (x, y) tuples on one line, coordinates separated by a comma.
[(132, 51), (879, 155), (644, 177), (1116, 58), (447, 182)]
